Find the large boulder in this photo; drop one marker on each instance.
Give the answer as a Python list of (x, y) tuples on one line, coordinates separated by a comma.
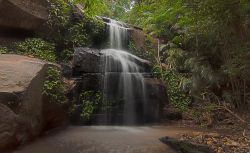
[(23, 108), (87, 60), (8, 127), (23, 14), (20, 18)]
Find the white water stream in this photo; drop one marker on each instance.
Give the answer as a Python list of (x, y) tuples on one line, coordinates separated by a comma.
[(124, 65)]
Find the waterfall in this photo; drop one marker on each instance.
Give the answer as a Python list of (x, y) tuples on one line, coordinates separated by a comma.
[(118, 34), (122, 67)]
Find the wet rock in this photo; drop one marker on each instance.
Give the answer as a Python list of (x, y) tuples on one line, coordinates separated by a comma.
[(87, 60), (66, 70), (149, 103), (156, 88), (91, 81), (157, 98), (115, 65), (115, 87), (21, 88), (153, 88)]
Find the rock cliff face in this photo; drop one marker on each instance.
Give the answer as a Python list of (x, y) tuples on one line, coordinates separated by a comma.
[(23, 108), (19, 18), (23, 14)]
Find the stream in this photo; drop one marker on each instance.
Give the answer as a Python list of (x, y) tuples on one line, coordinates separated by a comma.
[(104, 139)]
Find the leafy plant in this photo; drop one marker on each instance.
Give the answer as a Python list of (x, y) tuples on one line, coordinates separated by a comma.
[(95, 7), (66, 55), (177, 96), (53, 87), (176, 84), (67, 32), (3, 50), (38, 48), (85, 33), (58, 14), (90, 101), (208, 41)]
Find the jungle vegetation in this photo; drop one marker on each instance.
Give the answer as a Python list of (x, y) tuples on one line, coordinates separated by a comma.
[(205, 49), (204, 44)]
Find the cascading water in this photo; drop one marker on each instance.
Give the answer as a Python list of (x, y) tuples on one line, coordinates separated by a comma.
[(118, 34), (122, 65)]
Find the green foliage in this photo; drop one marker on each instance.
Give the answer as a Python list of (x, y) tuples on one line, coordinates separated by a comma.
[(66, 55), (156, 71), (147, 53), (156, 16), (67, 32), (36, 47), (90, 101), (53, 87), (208, 42), (176, 58), (3, 50), (176, 92), (85, 33), (119, 8), (59, 13), (95, 7), (178, 98)]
